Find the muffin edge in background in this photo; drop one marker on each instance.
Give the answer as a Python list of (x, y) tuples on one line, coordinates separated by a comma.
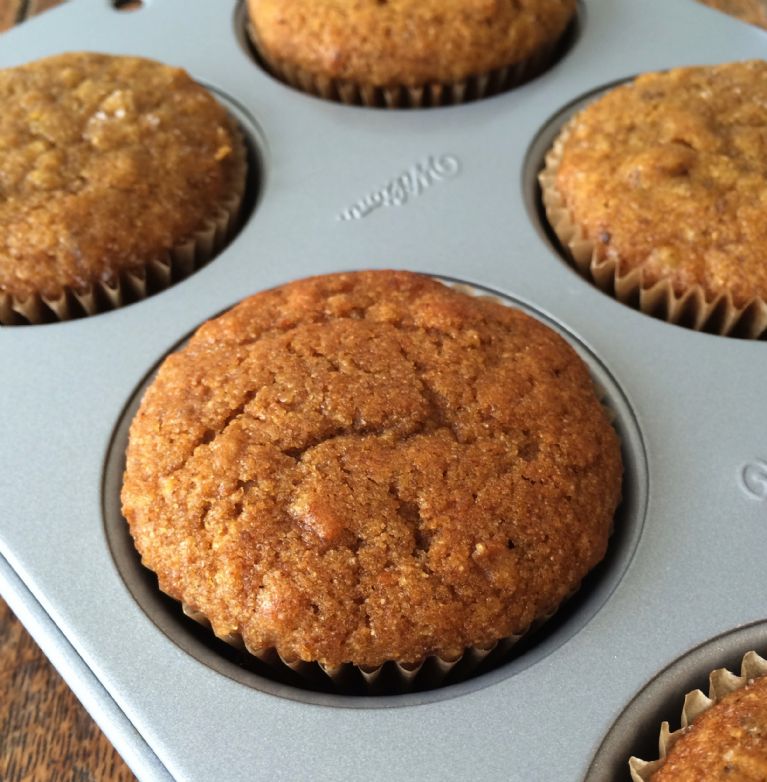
[(405, 54), (121, 176), (627, 191), (725, 690)]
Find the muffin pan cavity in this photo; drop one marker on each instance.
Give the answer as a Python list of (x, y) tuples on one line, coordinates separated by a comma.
[(635, 732), (430, 683), (430, 96), (717, 318), (134, 286)]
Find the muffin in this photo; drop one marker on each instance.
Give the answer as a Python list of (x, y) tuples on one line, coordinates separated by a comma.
[(370, 467), (405, 52), (751, 11), (724, 736), (656, 190), (118, 175)]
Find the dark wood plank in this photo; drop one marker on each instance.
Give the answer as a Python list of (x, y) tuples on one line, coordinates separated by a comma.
[(45, 734), (9, 13)]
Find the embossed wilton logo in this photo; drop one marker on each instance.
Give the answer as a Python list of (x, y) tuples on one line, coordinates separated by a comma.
[(409, 184), (753, 478)]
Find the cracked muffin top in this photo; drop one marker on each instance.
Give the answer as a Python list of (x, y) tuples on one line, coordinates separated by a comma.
[(106, 164), (667, 174), (371, 466), (406, 42)]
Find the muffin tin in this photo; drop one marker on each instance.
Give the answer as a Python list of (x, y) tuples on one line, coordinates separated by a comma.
[(686, 563)]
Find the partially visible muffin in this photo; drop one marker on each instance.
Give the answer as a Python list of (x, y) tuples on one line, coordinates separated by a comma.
[(371, 466), (725, 735), (751, 11), (108, 165), (351, 49), (657, 189)]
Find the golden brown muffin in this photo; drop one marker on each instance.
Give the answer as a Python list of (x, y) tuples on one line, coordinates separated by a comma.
[(727, 743), (106, 164), (663, 180), (371, 466), (402, 43), (751, 11), (726, 738)]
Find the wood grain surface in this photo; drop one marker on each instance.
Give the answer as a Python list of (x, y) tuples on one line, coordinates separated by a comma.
[(45, 734)]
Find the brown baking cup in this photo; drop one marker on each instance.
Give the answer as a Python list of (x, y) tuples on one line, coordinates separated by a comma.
[(721, 682), (391, 677), (691, 308), (351, 93), (155, 275)]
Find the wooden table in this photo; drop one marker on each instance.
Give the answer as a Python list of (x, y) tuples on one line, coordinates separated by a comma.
[(45, 734)]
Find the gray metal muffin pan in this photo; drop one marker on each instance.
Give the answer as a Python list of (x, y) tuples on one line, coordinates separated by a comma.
[(687, 560)]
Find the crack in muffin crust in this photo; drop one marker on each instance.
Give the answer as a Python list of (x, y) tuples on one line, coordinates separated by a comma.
[(371, 466)]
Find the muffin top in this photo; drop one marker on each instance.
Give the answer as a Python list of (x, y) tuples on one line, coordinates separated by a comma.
[(106, 163), (727, 743), (406, 42), (668, 174), (752, 11), (371, 466)]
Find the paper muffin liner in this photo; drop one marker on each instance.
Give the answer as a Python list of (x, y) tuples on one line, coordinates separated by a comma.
[(154, 276), (391, 677), (450, 93), (691, 308), (721, 683)]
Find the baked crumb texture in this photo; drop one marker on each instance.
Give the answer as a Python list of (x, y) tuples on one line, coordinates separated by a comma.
[(117, 176), (751, 11), (400, 53), (658, 191), (724, 736), (371, 466)]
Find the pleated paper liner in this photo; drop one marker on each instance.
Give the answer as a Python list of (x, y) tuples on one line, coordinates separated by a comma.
[(351, 93), (391, 677), (721, 683), (136, 284), (691, 308)]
